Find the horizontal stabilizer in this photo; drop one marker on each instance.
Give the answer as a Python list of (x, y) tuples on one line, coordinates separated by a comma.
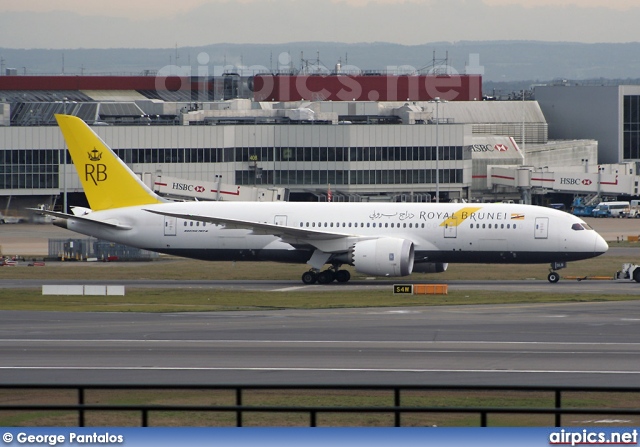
[(80, 219)]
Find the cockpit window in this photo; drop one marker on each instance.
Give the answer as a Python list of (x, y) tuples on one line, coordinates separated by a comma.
[(581, 226)]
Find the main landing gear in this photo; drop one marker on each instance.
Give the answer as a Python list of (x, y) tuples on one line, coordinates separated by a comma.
[(326, 276), (554, 276)]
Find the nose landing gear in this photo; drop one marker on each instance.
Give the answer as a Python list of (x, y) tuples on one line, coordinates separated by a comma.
[(554, 276)]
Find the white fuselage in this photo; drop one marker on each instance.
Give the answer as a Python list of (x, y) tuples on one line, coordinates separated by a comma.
[(445, 232)]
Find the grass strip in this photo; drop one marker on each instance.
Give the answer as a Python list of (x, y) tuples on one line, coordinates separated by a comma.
[(205, 300), (316, 398)]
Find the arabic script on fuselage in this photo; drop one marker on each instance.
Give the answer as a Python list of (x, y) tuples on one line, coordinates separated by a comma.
[(400, 216)]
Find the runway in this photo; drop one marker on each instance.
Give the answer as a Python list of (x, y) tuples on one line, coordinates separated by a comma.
[(595, 344)]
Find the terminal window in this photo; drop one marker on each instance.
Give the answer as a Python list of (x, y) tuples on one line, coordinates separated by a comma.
[(631, 127)]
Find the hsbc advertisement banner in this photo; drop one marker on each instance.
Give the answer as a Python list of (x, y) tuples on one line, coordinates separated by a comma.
[(495, 148), (592, 182), (572, 182), (196, 189)]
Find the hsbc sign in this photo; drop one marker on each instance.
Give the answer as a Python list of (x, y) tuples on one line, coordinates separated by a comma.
[(488, 147), (481, 148), (187, 187), (575, 181), (570, 181)]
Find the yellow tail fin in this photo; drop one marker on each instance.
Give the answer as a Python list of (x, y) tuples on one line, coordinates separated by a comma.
[(107, 182)]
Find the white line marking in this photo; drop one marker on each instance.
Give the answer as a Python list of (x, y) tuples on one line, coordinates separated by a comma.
[(289, 289), (267, 369), (338, 342)]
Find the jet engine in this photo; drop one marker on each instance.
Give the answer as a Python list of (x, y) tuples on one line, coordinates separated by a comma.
[(383, 257), (430, 267)]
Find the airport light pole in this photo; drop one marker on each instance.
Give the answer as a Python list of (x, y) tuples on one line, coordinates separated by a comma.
[(64, 164), (437, 101)]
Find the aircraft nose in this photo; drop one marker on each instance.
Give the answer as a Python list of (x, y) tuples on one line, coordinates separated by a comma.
[(601, 245)]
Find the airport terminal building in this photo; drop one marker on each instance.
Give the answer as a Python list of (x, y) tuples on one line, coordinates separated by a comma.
[(393, 150), (607, 113)]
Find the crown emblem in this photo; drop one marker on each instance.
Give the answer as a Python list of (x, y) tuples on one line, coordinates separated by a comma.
[(94, 155)]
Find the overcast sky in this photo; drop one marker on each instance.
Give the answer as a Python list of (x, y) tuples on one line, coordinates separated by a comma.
[(165, 24)]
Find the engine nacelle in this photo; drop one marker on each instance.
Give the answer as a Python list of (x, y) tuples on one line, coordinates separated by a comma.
[(430, 267), (383, 257)]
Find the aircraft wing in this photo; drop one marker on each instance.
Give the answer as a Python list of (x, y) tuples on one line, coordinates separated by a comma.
[(80, 219), (283, 232)]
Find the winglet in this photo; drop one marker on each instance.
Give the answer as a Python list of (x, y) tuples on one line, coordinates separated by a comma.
[(107, 181)]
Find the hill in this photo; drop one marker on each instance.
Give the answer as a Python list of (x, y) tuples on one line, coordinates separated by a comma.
[(499, 61)]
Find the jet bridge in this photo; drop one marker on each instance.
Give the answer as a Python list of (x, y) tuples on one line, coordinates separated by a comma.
[(187, 189), (609, 180)]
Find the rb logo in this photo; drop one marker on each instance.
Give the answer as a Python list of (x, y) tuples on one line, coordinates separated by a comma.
[(97, 173)]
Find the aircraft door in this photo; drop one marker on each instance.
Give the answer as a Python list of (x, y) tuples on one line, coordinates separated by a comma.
[(280, 220), (542, 228), (170, 224), (451, 227)]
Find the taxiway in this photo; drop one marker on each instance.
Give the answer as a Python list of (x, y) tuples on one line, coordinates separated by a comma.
[(595, 344)]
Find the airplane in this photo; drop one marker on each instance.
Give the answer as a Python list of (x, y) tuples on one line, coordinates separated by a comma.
[(377, 239)]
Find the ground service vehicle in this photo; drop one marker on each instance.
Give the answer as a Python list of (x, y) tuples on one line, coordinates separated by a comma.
[(611, 209)]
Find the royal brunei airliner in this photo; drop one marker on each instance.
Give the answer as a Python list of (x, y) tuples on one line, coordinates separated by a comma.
[(378, 239)]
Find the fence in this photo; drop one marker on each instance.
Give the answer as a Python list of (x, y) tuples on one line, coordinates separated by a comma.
[(91, 248), (395, 407)]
